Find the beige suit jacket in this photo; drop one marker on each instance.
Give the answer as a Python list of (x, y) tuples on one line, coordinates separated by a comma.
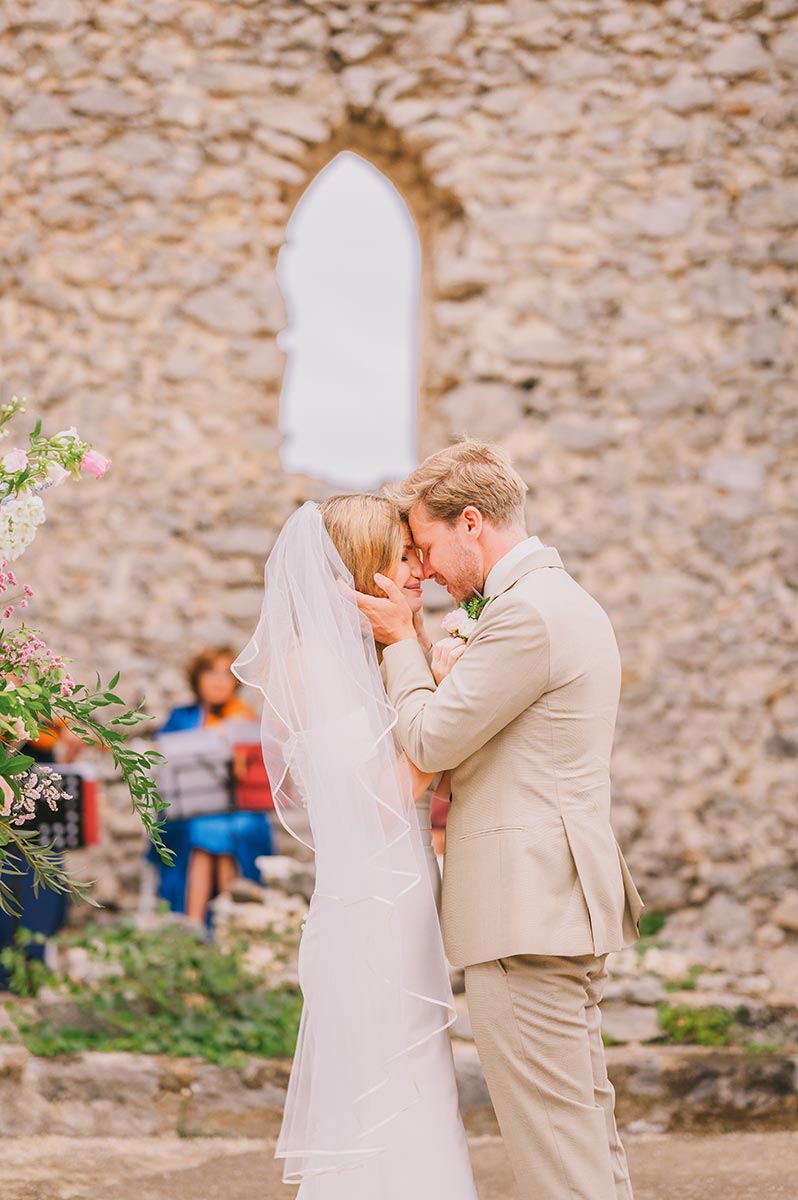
[(525, 721)]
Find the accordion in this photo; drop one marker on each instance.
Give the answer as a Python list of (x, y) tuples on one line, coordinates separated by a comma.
[(74, 822), (217, 769)]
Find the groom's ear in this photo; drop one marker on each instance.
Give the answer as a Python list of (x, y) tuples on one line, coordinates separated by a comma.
[(473, 519)]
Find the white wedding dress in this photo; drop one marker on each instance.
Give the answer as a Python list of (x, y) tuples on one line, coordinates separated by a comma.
[(371, 1111)]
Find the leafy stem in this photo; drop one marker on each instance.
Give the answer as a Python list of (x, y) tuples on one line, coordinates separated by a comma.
[(78, 709)]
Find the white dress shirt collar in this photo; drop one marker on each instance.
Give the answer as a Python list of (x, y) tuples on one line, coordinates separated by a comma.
[(500, 570)]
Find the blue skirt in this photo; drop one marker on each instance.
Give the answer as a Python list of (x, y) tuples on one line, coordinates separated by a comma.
[(243, 836)]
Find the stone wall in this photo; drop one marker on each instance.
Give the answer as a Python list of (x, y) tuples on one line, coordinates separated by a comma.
[(606, 195), (100, 1094)]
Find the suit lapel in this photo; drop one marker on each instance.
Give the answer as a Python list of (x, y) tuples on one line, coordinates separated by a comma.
[(546, 557)]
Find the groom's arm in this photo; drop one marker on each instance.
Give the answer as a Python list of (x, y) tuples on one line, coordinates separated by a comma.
[(504, 669)]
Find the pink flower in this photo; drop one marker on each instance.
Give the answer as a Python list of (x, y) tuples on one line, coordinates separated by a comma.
[(459, 624), (15, 460), (95, 463), (451, 622)]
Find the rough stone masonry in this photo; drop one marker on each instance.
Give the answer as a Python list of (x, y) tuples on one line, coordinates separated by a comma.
[(606, 194)]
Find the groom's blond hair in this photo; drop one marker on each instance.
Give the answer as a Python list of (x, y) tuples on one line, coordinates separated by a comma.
[(469, 472)]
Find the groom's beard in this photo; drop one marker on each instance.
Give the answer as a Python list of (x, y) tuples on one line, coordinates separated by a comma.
[(465, 580)]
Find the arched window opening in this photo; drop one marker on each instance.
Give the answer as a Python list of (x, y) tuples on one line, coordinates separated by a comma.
[(349, 272)]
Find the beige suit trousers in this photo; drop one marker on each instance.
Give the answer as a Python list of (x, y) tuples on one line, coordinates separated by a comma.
[(538, 1033)]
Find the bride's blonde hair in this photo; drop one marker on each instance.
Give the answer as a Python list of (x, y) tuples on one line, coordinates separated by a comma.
[(369, 534)]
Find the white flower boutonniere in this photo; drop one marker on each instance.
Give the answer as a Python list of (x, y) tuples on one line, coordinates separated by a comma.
[(463, 621)]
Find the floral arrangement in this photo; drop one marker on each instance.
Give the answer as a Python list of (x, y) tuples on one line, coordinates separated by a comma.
[(462, 621), (36, 689)]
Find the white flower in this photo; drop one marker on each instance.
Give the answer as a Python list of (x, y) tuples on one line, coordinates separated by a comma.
[(68, 435), (16, 460), (19, 518), (39, 783), (459, 624), (56, 473)]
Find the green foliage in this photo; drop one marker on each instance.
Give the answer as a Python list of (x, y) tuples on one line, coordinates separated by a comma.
[(36, 703), (474, 606), (754, 1047), (36, 688), (651, 923), (78, 711), (23, 846), (689, 982), (64, 448), (164, 991), (710, 1026), (26, 975)]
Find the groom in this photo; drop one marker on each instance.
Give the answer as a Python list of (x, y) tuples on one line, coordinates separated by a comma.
[(535, 889)]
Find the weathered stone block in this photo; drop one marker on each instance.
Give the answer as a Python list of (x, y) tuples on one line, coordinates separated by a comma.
[(734, 472), (741, 54), (665, 217), (42, 114), (630, 1023), (104, 101), (785, 914), (225, 310)]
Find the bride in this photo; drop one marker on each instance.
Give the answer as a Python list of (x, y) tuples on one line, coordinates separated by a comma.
[(371, 1111)]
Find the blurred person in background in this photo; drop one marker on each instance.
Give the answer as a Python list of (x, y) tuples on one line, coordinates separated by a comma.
[(210, 850)]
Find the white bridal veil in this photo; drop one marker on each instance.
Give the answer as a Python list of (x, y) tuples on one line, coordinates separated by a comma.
[(372, 967)]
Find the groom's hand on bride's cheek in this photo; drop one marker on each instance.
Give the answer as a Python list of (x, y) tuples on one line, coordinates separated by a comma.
[(391, 619)]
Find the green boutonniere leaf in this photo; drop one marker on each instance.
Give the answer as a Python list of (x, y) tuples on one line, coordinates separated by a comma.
[(474, 606)]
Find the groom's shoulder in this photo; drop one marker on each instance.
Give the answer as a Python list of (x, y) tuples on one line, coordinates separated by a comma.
[(533, 581), (545, 592), (555, 597), (515, 604)]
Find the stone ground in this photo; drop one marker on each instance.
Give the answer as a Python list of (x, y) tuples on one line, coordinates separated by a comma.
[(664, 1167)]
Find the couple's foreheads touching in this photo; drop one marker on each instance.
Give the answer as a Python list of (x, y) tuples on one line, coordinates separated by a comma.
[(450, 520)]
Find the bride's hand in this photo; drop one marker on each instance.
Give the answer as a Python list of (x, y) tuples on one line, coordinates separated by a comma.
[(419, 780), (444, 655)]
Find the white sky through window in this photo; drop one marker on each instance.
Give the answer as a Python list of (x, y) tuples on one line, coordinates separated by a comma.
[(349, 272)]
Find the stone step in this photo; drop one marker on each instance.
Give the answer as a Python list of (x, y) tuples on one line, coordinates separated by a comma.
[(668, 1088), (92, 1094)]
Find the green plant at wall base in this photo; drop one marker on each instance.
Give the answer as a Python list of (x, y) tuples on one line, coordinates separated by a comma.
[(710, 1026), (688, 983), (164, 991), (651, 923), (26, 975), (764, 1047)]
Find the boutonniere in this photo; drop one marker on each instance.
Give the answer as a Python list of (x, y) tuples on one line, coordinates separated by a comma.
[(463, 621)]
